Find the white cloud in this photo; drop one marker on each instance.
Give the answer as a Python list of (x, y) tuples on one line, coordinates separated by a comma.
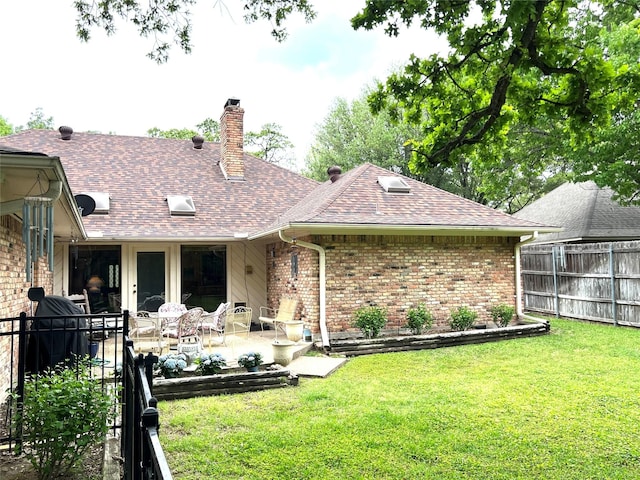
[(109, 85)]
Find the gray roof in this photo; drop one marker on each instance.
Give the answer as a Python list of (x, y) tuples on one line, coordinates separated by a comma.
[(586, 212)]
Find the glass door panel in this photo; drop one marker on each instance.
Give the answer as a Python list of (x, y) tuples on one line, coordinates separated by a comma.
[(150, 286)]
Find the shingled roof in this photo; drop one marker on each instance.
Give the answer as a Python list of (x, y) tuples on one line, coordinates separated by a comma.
[(139, 173), (356, 202), (586, 212)]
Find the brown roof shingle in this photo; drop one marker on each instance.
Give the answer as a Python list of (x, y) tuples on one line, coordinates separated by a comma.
[(139, 173)]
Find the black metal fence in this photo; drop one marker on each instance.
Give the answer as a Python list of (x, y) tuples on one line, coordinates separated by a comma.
[(29, 346), (141, 449)]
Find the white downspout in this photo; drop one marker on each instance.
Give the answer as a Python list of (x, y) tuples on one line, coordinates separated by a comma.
[(322, 279), (519, 245)]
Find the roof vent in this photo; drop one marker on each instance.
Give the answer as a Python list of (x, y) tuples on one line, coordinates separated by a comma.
[(394, 185), (181, 205), (65, 132), (334, 173), (198, 141), (102, 201)]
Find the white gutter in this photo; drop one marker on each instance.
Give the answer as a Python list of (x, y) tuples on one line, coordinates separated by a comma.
[(322, 279), (15, 206), (518, 247)]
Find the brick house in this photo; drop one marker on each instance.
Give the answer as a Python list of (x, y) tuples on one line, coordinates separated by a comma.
[(204, 222)]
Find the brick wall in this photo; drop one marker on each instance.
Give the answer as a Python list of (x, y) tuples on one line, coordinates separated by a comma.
[(396, 273), (231, 141), (14, 288)]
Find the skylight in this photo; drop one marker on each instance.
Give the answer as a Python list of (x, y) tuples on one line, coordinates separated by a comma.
[(181, 205), (102, 200), (394, 184)]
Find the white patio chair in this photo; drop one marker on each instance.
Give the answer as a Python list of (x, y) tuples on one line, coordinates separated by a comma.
[(215, 322)]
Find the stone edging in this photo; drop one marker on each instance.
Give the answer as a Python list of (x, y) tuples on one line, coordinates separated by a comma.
[(199, 386), (401, 343)]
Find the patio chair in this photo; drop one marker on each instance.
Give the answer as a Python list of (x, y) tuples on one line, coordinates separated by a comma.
[(186, 331), (215, 322), (82, 300), (239, 320), (285, 312), (169, 313), (145, 331)]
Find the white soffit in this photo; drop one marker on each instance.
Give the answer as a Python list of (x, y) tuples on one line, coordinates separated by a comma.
[(393, 184), (103, 201), (181, 205)]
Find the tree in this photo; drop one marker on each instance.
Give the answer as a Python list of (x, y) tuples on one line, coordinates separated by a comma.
[(37, 121), (351, 135), (273, 145), (171, 18), (5, 127), (524, 59), (208, 128)]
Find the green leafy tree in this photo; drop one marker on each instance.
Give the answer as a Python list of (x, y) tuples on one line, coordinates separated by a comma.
[(272, 145), (5, 127), (523, 60), (171, 19), (208, 128), (351, 134), (37, 121)]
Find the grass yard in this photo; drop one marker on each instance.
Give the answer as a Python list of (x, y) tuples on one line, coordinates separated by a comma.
[(563, 406)]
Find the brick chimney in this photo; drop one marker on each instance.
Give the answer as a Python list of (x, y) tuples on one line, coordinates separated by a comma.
[(231, 140)]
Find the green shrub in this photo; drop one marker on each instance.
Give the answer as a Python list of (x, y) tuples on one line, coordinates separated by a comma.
[(419, 319), (462, 318), (370, 320), (502, 314), (64, 413)]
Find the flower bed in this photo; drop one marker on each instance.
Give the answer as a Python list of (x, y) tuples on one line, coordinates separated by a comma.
[(223, 383), (366, 346)]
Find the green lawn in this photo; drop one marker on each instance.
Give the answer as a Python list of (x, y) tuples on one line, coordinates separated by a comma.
[(562, 406)]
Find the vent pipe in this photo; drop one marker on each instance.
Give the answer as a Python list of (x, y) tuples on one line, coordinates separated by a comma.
[(198, 141), (334, 173), (65, 132)]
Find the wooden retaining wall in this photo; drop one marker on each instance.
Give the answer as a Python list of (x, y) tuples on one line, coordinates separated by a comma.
[(225, 383), (357, 347)]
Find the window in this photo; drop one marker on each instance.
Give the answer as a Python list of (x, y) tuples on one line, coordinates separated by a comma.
[(96, 268), (204, 275)]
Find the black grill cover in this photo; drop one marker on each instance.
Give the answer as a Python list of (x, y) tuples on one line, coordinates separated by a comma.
[(56, 340)]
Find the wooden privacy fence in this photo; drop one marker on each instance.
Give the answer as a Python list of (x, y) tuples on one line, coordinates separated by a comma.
[(592, 281)]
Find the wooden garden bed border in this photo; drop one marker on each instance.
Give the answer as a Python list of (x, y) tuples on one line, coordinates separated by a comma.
[(355, 347), (224, 383)]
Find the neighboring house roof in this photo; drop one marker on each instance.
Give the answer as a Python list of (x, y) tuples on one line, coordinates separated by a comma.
[(139, 173), (586, 212), (356, 201)]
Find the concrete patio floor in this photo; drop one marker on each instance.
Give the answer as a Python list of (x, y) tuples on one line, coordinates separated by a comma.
[(303, 365)]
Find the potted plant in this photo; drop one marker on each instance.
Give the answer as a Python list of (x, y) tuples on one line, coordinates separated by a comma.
[(171, 365), (419, 319), (250, 361), (210, 363)]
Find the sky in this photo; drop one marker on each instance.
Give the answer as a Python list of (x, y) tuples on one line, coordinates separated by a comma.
[(110, 86)]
